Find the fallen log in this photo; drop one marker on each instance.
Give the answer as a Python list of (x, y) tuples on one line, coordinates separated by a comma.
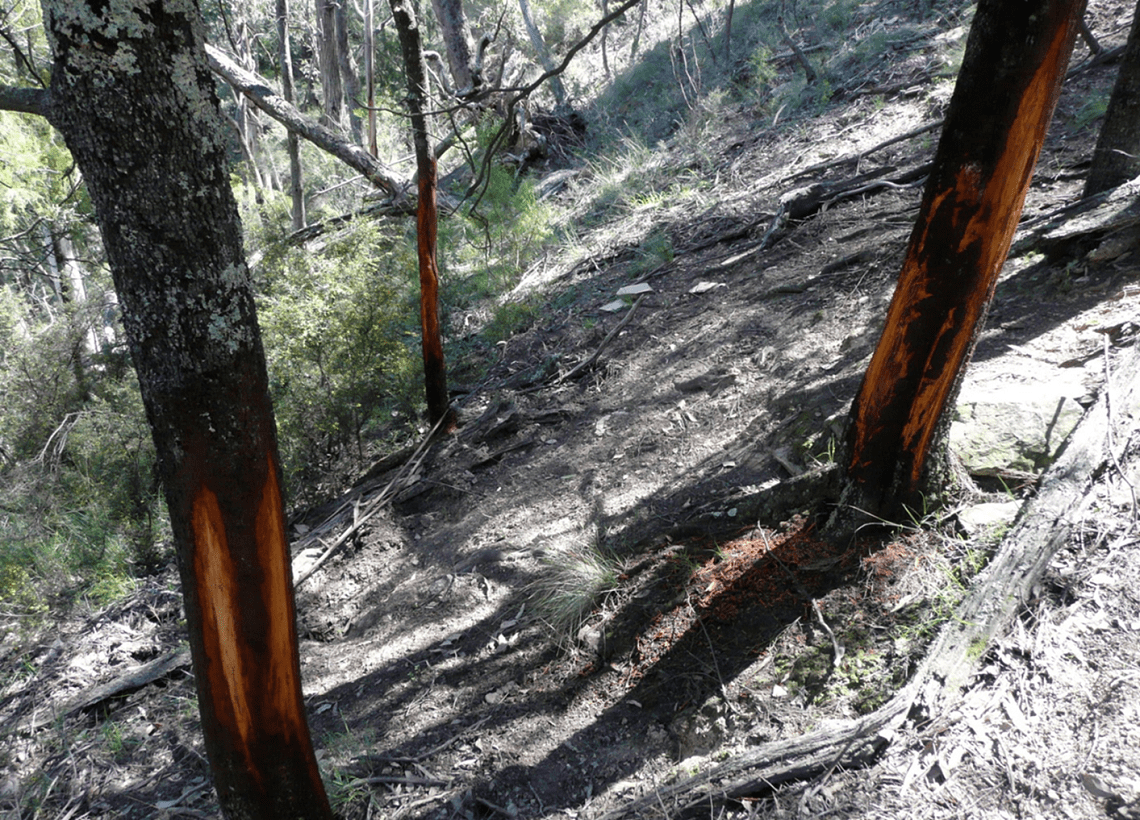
[(1106, 219), (130, 681), (1095, 447)]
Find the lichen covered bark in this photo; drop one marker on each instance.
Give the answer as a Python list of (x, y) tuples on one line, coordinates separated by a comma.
[(133, 96)]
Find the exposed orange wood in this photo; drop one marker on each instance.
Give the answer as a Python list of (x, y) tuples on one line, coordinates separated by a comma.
[(221, 610), (244, 595), (963, 233), (427, 221)]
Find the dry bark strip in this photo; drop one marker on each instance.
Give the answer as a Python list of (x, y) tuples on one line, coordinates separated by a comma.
[(1101, 439)]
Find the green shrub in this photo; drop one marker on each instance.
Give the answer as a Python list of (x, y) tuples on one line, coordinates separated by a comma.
[(340, 328)]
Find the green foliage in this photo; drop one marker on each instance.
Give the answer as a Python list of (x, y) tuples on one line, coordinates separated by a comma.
[(32, 175), (496, 243), (339, 324), (509, 318), (1093, 109), (653, 252), (79, 501)]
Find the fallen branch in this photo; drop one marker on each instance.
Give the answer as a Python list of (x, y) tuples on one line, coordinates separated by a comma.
[(130, 681), (1083, 222), (361, 516), (809, 70), (590, 362), (260, 94), (858, 157)]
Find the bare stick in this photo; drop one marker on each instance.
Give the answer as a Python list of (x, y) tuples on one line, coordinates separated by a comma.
[(374, 506), (590, 362)]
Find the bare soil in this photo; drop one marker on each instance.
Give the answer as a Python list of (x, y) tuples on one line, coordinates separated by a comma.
[(439, 687)]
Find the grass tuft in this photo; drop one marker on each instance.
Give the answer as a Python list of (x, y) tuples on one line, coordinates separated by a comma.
[(573, 580)]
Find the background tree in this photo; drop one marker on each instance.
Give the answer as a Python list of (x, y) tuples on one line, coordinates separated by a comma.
[(335, 114), (1116, 158), (1015, 62), (453, 26), (157, 173), (292, 142), (427, 215)]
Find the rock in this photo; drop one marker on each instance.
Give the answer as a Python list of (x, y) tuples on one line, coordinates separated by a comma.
[(700, 731), (989, 516), (1004, 423)]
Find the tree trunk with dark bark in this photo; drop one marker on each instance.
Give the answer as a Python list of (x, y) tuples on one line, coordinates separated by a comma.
[(1116, 159), (427, 217), (134, 98), (1016, 57)]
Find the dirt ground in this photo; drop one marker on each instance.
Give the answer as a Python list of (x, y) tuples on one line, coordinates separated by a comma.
[(438, 685)]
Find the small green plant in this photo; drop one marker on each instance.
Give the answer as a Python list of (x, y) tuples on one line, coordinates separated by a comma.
[(510, 318), (763, 72), (1090, 112), (654, 251)]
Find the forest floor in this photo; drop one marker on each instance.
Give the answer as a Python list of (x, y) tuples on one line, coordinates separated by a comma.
[(440, 687)]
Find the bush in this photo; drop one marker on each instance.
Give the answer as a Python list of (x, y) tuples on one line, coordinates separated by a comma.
[(340, 327)]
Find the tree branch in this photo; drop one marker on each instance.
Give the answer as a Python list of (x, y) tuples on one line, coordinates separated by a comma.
[(261, 95), (24, 100)]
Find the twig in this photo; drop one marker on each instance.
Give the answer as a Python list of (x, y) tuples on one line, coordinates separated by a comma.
[(374, 506), (590, 362), (499, 809), (433, 750), (408, 780), (834, 643)]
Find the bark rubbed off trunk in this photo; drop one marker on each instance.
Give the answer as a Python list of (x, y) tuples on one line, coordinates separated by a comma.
[(427, 216), (133, 96), (1015, 62)]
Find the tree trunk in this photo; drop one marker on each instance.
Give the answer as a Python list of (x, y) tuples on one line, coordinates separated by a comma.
[(328, 62), (449, 15), (296, 174), (370, 72), (139, 114), (543, 53), (349, 79), (1015, 62), (435, 371), (1116, 159), (1100, 446)]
